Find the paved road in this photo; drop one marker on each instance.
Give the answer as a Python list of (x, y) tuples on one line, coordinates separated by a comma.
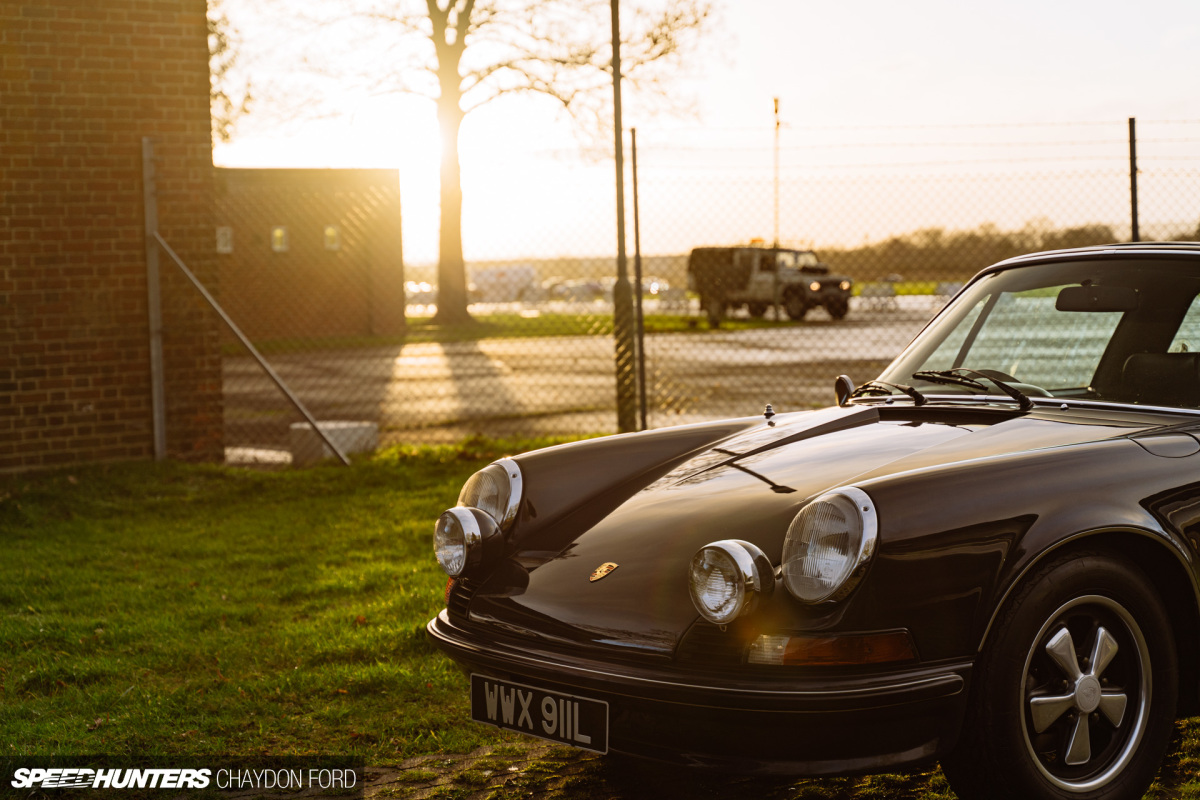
[(443, 392)]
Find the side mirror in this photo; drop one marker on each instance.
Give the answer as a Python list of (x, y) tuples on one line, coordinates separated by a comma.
[(843, 387)]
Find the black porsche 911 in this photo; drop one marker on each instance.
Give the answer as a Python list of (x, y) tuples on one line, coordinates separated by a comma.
[(986, 556)]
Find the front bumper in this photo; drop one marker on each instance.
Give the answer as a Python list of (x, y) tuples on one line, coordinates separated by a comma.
[(791, 725)]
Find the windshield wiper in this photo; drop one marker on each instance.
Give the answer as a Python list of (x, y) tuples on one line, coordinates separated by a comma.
[(883, 387), (962, 376), (948, 376)]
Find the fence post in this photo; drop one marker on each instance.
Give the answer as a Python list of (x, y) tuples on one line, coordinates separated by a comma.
[(638, 288), (158, 407), (1133, 171), (622, 293)]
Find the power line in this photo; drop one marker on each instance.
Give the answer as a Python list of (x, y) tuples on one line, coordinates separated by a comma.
[(898, 164)]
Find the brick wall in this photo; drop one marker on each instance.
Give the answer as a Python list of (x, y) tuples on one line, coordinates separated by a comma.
[(351, 285), (80, 85)]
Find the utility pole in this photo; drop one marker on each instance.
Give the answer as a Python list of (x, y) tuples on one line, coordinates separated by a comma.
[(776, 173), (1133, 201), (627, 403)]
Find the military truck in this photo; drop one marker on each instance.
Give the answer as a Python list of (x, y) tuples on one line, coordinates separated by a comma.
[(757, 278)]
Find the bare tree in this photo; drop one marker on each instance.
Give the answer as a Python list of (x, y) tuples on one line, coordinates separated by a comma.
[(229, 98), (463, 54)]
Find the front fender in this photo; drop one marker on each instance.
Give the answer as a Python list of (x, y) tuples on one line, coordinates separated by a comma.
[(955, 540)]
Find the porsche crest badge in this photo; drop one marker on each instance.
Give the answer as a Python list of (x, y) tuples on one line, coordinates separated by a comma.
[(602, 570)]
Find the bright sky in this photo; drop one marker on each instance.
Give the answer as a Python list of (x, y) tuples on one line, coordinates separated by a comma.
[(869, 89)]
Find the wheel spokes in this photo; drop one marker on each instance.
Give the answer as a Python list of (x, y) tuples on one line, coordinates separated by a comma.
[(1061, 648), (1103, 652), (1047, 710), (1080, 698), (1079, 749), (1112, 706)]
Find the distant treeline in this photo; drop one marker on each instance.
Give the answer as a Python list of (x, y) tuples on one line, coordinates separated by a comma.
[(929, 254), (940, 255)]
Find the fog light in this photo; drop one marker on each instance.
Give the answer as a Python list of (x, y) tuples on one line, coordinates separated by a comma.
[(833, 650)]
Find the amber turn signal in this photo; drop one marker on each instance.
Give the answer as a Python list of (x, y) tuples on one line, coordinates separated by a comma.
[(833, 650)]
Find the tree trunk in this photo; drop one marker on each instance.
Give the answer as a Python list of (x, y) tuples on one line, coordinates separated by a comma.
[(452, 274)]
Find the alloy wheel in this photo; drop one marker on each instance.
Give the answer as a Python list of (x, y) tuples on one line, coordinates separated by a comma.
[(1086, 693)]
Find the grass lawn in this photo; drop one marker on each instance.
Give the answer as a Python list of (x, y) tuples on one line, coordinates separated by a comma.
[(166, 610), (506, 326), (162, 609)]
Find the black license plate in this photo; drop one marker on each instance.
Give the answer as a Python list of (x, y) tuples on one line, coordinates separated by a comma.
[(569, 719)]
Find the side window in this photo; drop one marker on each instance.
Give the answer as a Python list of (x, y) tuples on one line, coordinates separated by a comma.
[(1187, 338)]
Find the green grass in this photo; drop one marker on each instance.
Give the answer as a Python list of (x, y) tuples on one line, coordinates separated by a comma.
[(162, 610), (504, 326), (534, 324), (159, 609)]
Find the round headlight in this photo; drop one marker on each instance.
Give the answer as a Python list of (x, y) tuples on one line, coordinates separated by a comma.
[(496, 490), (829, 545), (450, 543), (727, 578), (460, 537)]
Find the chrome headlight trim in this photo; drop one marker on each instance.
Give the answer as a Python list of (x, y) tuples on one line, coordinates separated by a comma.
[(504, 512), (755, 578), (478, 529), (858, 556)]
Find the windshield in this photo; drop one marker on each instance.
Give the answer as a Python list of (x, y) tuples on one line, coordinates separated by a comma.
[(1114, 330)]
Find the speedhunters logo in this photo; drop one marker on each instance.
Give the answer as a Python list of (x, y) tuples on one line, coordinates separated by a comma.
[(84, 778), (103, 776)]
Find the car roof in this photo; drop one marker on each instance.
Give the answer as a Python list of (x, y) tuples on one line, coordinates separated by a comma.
[(1117, 250)]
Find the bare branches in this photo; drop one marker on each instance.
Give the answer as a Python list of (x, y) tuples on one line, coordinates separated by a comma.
[(472, 52), (229, 95), (561, 49), (464, 54)]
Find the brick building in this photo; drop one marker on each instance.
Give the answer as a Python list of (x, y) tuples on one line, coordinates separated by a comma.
[(310, 253), (81, 84)]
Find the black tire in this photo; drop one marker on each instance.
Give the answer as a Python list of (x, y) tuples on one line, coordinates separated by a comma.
[(714, 309), (1035, 730), (756, 310), (837, 307), (794, 306)]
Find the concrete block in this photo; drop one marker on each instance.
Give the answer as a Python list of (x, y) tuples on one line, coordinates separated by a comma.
[(352, 437)]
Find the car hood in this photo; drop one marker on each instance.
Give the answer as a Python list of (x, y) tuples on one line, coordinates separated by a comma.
[(748, 486)]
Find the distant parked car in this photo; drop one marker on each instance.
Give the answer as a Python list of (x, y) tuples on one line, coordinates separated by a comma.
[(758, 277), (576, 290), (506, 284), (652, 286), (987, 556), (420, 293)]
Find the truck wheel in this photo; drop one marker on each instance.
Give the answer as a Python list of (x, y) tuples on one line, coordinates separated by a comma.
[(756, 310), (795, 307), (715, 309), (1074, 695), (837, 307)]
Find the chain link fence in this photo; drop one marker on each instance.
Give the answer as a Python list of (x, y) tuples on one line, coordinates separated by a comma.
[(904, 232)]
